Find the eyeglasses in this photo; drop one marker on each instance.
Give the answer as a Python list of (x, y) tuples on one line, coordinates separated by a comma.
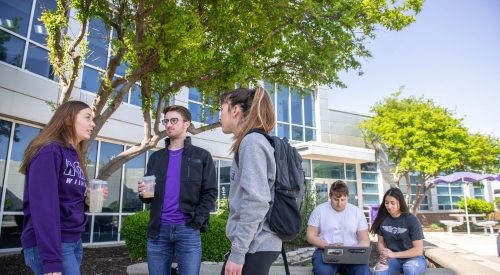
[(172, 120)]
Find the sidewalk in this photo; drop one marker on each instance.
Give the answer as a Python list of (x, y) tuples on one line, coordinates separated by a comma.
[(463, 251), (458, 255)]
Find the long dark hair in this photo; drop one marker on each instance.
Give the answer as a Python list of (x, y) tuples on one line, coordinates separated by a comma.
[(60, 129), (256, 108), (382, 211)]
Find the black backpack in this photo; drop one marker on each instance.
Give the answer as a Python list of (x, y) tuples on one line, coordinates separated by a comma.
[(289, 187)]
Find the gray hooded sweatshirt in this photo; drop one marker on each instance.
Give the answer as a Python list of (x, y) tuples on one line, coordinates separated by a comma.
[(249, 197)]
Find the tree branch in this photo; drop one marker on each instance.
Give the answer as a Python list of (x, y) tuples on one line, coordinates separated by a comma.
[(193, 130)]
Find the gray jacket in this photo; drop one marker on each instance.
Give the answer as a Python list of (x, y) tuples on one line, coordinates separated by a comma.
[(249, 198)]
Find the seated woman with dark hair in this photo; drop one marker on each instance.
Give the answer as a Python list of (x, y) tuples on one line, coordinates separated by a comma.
[(400, 237)]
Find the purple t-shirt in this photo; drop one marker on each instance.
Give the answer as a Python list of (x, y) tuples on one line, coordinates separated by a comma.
[(170, 213)]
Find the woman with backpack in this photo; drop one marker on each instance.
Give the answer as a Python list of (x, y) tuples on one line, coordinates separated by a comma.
[(254, 246), (400, 237)]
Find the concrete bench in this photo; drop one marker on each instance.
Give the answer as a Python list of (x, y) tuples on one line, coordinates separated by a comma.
[(450, 224), (486, 224)]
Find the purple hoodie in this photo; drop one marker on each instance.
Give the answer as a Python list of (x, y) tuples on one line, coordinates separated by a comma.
[(53, 203)]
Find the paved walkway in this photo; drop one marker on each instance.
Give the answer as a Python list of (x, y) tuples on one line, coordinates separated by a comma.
[(477, 247), (458, 254)]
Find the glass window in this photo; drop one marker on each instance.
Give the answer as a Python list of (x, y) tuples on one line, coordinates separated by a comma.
[(98, 40), (298, 133), (196, 113), (122, 68), (321, 192), (449, 195), (309, 109), (15, 183), (370, 199), (306, 166), (284, 130), (12, 227), (11, 49), (225, 171), (135, 98), (194, 95), (5, 128), (369, 177), (353, 192), (91, 80), (37, 62), (270, 89), (369, 167), (38, 30), (14, 16), (330, 170), (105, 229), (479, 193), (109, 151), (350, 171), (282, 106), (369, 188), (296, 107), (134, 170), (91, 159), (310, 134)]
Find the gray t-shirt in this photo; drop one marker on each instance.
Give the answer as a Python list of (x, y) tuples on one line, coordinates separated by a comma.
[(400, 232)]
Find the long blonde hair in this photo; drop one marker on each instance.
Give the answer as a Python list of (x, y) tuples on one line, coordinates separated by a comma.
[(257, 112), (60, 129)]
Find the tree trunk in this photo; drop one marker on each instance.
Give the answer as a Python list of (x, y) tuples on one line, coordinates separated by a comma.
[(417, 202), (408, 187)]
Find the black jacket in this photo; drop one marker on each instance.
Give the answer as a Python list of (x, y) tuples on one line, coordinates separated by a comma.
[(198, 190)]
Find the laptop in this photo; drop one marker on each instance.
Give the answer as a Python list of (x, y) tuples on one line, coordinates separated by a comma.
[(346, 254)]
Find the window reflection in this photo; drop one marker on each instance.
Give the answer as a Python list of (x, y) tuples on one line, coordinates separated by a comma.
[(12, 227), (310, 134), (225, 170), (309, 109), (196, 113), (134, 170), (109, 151), (91, 79), (284, 130), (14, 15), (296, 107), (298, 133), (5, 128), (105, 229), (38, 30), (37, 62), (282, 108), (11, 49), (98, 43), (329, 170), (15, 183)]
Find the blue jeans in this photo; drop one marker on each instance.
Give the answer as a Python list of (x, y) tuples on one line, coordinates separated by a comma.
[(71, 258), (320, 268), (411, 266), (181, 240)]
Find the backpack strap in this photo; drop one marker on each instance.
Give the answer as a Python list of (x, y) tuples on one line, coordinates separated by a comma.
[(269, 138), (285, 261)]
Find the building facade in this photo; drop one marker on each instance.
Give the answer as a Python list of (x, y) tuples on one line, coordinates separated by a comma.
[(328, 140)]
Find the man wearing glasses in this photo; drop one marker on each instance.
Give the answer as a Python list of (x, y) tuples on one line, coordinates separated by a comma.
[(185, 193)]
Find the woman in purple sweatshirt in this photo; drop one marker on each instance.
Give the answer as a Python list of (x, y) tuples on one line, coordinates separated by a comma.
[(54, 196)]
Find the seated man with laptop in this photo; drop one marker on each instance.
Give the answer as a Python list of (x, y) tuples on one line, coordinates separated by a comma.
[(339, 231)]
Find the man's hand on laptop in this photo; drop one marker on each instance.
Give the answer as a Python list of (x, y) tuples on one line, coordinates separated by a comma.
[(336, 244)]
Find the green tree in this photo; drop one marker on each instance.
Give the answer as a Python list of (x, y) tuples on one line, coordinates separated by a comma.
[(424, 139), (213, 45)]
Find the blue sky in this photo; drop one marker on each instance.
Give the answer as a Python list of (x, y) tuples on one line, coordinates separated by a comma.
[(450, 54)]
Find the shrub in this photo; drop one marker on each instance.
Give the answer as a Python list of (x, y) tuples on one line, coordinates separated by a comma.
[(477, 206), (214, 242), (133, 230), (309, 202), (435, 226)]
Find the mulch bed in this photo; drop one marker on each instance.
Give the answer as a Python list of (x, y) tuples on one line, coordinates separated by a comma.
[(109, 260)]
